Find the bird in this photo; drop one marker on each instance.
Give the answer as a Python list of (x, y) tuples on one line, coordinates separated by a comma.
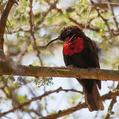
[(81, 52)]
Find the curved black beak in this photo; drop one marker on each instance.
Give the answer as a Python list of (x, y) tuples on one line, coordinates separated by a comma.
[(58, 38)]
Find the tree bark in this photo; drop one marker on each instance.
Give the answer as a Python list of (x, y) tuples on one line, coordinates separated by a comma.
[(10, 68)]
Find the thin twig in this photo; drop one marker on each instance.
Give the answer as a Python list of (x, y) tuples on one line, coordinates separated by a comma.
[(38, 98), (32, 32), (104, 20), (76, 108), (114, 18), (113, 101)]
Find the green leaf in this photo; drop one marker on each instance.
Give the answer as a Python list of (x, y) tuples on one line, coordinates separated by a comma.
[(21, 98)]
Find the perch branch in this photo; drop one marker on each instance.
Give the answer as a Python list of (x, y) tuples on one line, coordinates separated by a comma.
[(10, 68)]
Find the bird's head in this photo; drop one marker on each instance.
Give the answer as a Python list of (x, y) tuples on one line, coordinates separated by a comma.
[(68, 33)]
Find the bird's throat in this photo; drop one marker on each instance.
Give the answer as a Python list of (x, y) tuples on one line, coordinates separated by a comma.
[(72, 47)]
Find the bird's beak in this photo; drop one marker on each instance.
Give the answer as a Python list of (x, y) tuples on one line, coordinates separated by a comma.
[(58, 38)]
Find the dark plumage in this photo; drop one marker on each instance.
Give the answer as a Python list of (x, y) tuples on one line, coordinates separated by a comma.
[(80, 51)]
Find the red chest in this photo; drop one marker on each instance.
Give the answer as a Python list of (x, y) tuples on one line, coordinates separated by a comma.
[(73, 47)]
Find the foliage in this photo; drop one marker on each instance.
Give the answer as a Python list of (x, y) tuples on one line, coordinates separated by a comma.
[(28, 28)]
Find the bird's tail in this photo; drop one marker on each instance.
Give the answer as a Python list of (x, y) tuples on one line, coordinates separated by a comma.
[(93, 99)]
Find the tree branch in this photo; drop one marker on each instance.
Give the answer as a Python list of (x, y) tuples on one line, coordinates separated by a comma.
[(113, 101), (35, 46), (113, 14), (61, 113), (3, 20), (10, 68), (79, 106), (38, 98), (104, 5)]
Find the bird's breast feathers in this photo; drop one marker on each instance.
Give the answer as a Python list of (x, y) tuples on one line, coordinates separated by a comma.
[(73, 47)]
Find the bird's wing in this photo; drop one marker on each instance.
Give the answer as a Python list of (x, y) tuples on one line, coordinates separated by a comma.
[(92, 57)]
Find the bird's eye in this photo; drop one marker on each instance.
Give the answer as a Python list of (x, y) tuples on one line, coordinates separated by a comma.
[(68, 32)]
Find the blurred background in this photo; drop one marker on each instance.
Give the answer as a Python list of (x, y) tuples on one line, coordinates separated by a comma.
[(30, 26)]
